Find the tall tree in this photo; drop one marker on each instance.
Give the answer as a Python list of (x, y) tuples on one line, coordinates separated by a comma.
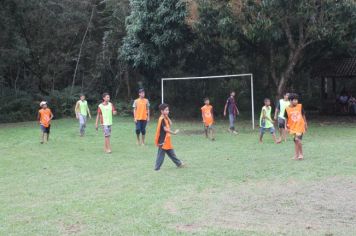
[(157, 34), (283, 30)]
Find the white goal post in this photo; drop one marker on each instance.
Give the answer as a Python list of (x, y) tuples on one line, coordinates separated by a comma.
[(216, 77)]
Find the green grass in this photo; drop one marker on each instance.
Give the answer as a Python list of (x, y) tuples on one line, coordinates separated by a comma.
[(233, 186)]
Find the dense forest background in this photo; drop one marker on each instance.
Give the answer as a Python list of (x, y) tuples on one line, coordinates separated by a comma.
[(55, 49)]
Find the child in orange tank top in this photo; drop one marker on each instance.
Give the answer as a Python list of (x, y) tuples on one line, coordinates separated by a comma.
[(296, 124), (208, 119), (163, 139), (44, 118)]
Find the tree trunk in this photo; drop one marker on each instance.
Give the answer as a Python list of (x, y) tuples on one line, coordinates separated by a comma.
[(80, 49), (294, 57), (127, 80), (16, 79), (119, 79)]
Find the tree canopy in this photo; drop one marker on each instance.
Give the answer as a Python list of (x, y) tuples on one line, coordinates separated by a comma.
[(56, 49)]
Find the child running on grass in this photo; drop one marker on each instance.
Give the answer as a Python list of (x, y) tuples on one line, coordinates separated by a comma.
[(81, 112), (163, 139), (296, 123), (208, 119), (105, 112), (266, 122), (44, 117), (141, 112)]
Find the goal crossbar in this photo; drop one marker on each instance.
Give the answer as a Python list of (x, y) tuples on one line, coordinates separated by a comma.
[(215, 77)]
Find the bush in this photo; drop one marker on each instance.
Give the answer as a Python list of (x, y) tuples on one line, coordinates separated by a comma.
[(17, 106), (22, 106)]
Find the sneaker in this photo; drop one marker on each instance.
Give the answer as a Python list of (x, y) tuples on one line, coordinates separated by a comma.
[(183, 165), (235, 132)]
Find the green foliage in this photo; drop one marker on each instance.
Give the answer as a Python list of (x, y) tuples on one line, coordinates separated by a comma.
[(157, 34), (284, 30), (215, 50), (17, 106), (130, 44)]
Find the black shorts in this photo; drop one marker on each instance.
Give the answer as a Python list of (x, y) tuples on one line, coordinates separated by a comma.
[(298, 136), (45, 129), (281, 123), (141, 127)]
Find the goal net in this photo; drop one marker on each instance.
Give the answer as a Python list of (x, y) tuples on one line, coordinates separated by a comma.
[(217, 77)]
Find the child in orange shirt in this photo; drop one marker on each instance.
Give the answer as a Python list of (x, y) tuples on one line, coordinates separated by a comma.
[(296, 123), (44, 118), (208, 119), (141, 112), (163, 139)]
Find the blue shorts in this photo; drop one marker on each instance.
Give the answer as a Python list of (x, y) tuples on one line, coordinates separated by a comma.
[(263, 130), (107, 130), (141, 127)]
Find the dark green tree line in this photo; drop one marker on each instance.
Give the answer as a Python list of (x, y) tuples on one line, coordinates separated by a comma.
[(55, 49)]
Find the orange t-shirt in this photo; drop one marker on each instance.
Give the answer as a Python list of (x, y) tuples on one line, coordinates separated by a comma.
[(162, 137), (295, 120), (45, 117), (207, 113), (141, 107)]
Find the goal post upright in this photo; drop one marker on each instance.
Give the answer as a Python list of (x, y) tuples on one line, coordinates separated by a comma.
[(252, 104), (215, 77)]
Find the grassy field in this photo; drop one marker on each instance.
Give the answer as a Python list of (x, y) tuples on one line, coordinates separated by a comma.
[(233, 186)]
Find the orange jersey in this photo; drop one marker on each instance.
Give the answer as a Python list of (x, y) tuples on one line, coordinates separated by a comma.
[(162, 137), (45, 117), (141, 106), (295, 120), (207, 114)]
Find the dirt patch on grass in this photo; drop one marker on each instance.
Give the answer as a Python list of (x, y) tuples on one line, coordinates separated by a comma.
[(71, 229), (188, 228), (320, 207), (171, 208), (192, 132)]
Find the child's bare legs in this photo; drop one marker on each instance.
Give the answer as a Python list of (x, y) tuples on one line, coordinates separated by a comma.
[(107, 145), (42, 137), (298, 142), (275, 138), (296, 150), (284, 135), (300, 147), (138, 139), (143, 139), (273, 133), (206, 131), (261, 136), (211, 131)]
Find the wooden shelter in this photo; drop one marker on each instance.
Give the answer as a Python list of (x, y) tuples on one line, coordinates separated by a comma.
[(335, 75)]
